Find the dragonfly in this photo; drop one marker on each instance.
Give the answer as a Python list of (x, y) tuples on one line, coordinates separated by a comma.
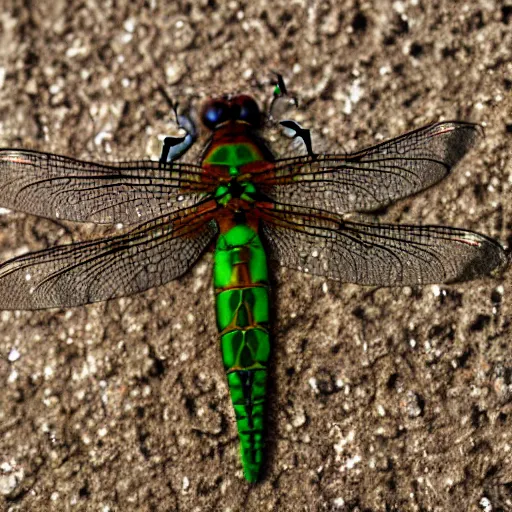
[(252, 207)]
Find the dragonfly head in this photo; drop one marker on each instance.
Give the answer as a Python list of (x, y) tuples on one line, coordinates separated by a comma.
[(241, 108)]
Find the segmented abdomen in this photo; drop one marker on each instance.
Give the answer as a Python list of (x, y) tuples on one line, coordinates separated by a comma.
[(241, 294)]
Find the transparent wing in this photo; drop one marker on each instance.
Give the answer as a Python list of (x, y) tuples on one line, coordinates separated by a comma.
[(59, 187), (85, 272), (374, 177), (379, 254)]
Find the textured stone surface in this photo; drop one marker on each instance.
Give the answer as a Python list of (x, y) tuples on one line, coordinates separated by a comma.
[(380, 399)]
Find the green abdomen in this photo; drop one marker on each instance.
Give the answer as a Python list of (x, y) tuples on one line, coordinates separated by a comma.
[(241, 294)]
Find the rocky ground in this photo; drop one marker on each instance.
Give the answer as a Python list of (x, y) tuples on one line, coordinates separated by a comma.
[(381, 399)]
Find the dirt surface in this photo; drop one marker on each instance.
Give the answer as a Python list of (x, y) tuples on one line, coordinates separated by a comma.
[(381, 400)]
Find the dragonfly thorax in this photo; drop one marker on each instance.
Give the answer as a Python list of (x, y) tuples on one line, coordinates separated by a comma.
[(235, 193)]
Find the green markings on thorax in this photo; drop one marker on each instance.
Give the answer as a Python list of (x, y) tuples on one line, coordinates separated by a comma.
[(241, 287), (244, 190), (233, 155)]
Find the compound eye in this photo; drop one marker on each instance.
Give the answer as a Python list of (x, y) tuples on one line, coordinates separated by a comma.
[(247, 110), (215, 112)]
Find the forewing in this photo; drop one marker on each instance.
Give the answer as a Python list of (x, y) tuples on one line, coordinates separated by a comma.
[(374, 177), (85, 272), (64, 188), (380, 254)]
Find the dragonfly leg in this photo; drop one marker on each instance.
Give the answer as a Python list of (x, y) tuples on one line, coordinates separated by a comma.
[(174, 147), (296, 131), (292, 128)]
